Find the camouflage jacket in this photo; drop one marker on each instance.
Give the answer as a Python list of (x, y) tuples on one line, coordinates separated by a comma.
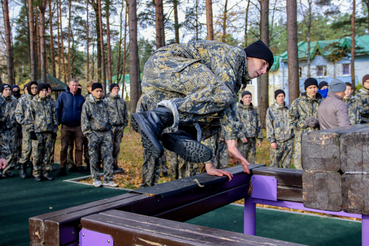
[(362, 96), (302, 108), (277, 125), (250, 122), (117, 110), (21, 110), (41, 116), (8, 106), (52, 101), (95, 116), (353, 110), (86, 95), (228, 63)]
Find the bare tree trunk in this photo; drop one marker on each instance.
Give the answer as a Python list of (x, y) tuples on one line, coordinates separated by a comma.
[(52, 57), (59, 42), (87, 45), (38, 43), (159, 23), (69, 33), (42, 41), (308, 38), (133, 55), (353, 44), (9, 48), (124, 49), (32, 38), (263, 86), (197, 25), (176, 24), (246, 21), (102, 45), (293, 62), (224, 26), (95, 6), (62, 45), (209, 20), (110, 76), (119, 64)]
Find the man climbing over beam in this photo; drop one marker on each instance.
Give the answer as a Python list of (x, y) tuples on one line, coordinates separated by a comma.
[(194, 87)]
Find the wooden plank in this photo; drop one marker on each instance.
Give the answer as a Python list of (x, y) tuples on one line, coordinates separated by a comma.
[(288, 193), (284, 176), (355, 193), (355, 151), (61, 227), (134, 229), (320, 150), (322, 190)]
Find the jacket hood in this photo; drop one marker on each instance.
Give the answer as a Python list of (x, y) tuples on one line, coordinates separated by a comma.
[(276, 105), (241, 105), (92, 99), (39, 99), (318, 95), (77, 93)]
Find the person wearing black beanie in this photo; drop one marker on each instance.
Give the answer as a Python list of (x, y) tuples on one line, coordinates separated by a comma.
[(112, 86), (32, 88), (303, 115), (41, 87), (96, 86), (323, 89), (187, 92), (3, 86), (279, 132), (16, 91)]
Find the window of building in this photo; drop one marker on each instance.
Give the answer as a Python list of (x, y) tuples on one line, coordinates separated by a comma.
[(300, 72), (345, 69), (321, 70)]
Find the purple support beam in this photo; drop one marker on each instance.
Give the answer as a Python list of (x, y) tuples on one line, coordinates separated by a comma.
[(249, 225), (365, 230)]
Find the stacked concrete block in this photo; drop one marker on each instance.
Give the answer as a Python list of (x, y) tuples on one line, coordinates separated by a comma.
[(335, 164)]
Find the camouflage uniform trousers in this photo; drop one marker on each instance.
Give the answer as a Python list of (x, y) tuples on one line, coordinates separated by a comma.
[(11, 139), (281, 157), (222, 155), (297, 151), (85, 151), (26, 148), (117, 135), (101, 142), (41, 149), (150, 169), (51, 153), (248, 150)]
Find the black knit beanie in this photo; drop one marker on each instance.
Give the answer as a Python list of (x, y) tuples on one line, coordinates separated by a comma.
[(41, 86), (277, 92), (29, 86), (112, 86), (96, 86), (259, 50), (310, 81), (3, 86), (321, 84), (245, 93)]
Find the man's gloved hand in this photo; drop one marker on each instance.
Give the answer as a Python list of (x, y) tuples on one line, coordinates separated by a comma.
[(33, 135), (311, 122)]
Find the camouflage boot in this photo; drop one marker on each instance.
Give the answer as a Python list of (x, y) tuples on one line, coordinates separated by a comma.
[(150, 124), (184, 144)]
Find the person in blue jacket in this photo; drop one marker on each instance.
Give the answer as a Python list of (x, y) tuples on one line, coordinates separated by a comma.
[(68, 111)]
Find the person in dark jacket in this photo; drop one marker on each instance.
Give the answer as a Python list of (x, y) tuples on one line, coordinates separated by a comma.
[(68, 111)]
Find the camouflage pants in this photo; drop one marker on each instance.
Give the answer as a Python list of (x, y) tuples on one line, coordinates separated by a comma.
[(101, 142), (297, 155), (26, 147), (70, 159), (222, 155), (52, 150), (281, 157), (41, 149), (177, 166), (248, 150), (197, 92), (85, 151), (150, 170), (11, 140), (117, 135)]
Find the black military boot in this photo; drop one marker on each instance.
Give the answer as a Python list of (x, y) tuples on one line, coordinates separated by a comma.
[(183, 142), (47, 177), (38, 178), (150, 124), (23, 171), (62, 172)]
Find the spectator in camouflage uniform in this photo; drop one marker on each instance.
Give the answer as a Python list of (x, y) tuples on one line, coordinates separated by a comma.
[(250, 134), (303, 115), (42, 121), (10, 135), (17, 95), (24, 103), (16, 91), (85, 140), (195, 86), (53, 104), (352, 105), (279, 133), (96, 126), (362, 96), (117, 109)]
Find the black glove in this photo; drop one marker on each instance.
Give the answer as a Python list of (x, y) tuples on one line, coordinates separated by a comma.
[(33, 135)]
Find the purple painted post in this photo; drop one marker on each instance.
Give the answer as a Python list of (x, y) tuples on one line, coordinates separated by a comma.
[(249, 221), (365, 229)]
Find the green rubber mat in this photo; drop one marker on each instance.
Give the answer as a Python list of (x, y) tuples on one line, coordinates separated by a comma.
[(286, 226)]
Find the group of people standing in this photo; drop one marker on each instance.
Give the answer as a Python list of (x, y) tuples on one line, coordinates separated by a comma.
[(93, 124)]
